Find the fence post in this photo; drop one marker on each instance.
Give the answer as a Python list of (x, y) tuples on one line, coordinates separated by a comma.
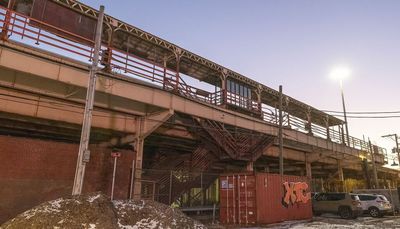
[(178, 54), (214, 210), (7, 18), (133, 173), (170, 187), (165, 73), (154, 190), (202, 189)]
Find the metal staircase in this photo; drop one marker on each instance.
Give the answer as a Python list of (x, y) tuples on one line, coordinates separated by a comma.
[(238, 146), (177, 175)]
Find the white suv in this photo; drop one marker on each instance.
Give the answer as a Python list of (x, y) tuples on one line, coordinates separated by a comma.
[(375, 205)]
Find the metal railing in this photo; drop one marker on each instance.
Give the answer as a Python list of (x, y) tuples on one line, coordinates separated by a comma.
[(34, 32)]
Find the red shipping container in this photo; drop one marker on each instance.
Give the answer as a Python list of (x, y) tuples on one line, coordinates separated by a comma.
[(263, 198)]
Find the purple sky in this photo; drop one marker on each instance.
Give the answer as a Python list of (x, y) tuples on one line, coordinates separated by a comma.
[(293, 43)]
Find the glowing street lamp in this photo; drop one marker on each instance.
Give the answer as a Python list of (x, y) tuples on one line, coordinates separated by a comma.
[(341, 73)]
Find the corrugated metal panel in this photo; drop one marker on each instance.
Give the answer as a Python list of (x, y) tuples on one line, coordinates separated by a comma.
[(270, 194), (238, 199), (259, 199), (63, 18)]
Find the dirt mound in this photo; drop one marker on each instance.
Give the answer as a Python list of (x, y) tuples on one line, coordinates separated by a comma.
[(91, 211), (150, 214), (97, 211)]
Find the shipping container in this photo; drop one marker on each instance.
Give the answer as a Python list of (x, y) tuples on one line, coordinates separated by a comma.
[(263, 198)]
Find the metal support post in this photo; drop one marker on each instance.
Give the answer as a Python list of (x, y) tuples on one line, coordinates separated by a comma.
[(137, 185), (202, 189), (376, 183), (309, 122), (397, 144), (224, 86), (342, 134), (250, 166), (115, 155), (165, 80), (132, 178), (280, 133), (308, 169), (341, 176), (328, 135), (397, 147), (84, 153), (259, 102), (7, 19), (170, 188), (344, 113), (178, 60), (154, 191), (113, 178)]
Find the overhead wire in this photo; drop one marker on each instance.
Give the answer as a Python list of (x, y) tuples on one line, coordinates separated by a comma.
[(369, 117), (363, 112)]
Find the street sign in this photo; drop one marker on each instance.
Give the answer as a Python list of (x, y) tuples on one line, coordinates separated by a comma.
[(115, 154)]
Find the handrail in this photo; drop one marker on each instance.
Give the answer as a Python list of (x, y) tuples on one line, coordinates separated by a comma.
[(36, 32)]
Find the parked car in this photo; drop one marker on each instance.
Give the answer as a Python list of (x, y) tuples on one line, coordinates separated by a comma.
[(392, 195), (375, 205), (347, 206)]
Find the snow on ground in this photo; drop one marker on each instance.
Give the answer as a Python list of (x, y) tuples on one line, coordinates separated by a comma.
[(334, 222), (93, 198), (135, 214)]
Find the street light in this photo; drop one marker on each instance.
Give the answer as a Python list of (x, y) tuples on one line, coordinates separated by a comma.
[(341, 73)]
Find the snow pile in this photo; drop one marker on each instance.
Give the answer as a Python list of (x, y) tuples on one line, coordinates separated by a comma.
[(134, 214), (97, 211), (319, 225)]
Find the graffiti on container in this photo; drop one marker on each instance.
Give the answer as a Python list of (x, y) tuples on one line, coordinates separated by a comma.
[(295, 192)]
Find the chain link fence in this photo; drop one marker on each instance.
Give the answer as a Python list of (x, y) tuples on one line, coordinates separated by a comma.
[(179, 188)]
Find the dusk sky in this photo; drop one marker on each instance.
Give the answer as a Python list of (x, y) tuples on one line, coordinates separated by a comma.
[(292, 43)]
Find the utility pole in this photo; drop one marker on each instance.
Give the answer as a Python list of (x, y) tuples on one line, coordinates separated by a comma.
[(280, 132), (397, 144), (373, 165), (344, 113), (84, 153)]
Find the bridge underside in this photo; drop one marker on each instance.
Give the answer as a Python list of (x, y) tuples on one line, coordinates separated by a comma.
[(42, 97), (179, 144)]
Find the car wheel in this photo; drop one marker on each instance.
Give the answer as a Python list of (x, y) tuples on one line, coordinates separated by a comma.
[(354, 215), (345, 212), (374, 212)]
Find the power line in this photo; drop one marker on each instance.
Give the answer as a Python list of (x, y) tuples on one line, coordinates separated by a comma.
[(370, 117), (364, 112)]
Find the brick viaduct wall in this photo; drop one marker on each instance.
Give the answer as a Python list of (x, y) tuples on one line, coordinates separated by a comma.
[(33, 171)]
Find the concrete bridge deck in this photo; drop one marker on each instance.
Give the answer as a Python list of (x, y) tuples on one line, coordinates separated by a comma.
[(40, 77)]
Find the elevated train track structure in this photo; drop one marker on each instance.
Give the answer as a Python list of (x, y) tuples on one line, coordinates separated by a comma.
[(144, 105)]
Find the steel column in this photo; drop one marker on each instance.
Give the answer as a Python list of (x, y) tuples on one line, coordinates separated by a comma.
[(375, 173), (281, 172)]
